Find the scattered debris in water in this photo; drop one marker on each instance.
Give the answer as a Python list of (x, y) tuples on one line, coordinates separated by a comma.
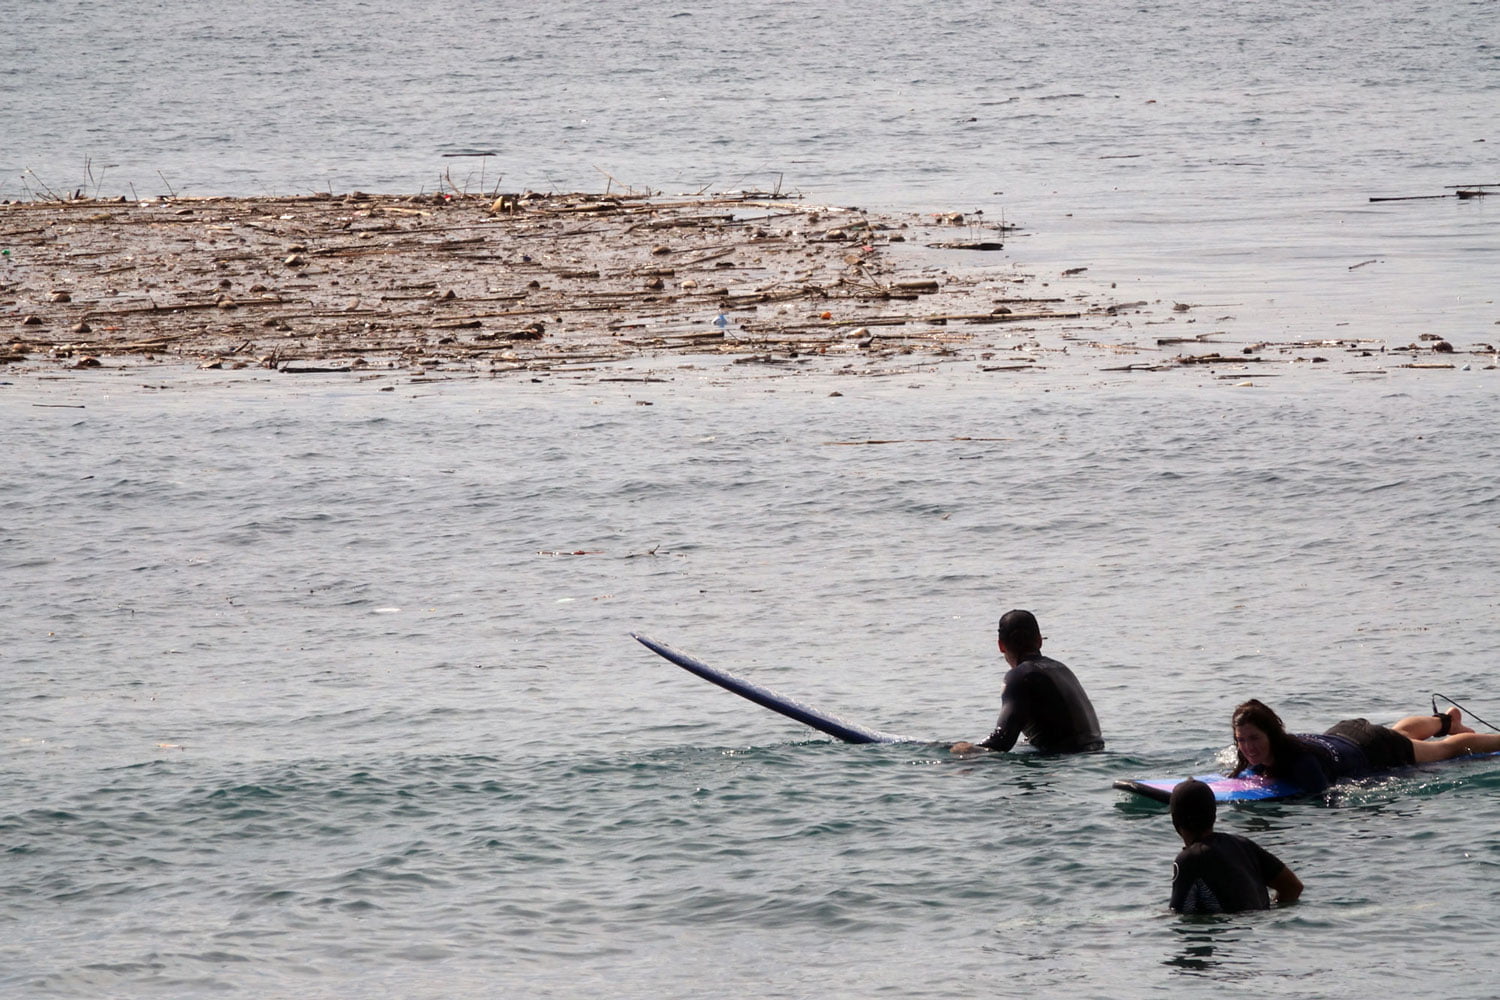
[(445, 286)]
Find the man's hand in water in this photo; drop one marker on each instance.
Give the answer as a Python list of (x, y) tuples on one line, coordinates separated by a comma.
[(965, 747)]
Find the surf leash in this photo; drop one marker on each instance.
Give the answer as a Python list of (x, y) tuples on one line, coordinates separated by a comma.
[(1436, 695)]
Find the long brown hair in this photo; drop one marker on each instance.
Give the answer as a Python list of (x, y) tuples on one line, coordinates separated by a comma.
[(1284, 748)]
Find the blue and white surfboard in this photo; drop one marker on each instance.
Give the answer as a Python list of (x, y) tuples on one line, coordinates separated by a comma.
[(1254, 788)]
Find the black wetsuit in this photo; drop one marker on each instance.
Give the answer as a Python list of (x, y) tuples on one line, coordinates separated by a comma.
[(1350, 749), (1324, 760), (1223, 873), (1043, 700)]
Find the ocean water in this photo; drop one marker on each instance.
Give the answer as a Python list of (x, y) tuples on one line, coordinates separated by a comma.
[(317, 690), (304, 697), (1206, 152)]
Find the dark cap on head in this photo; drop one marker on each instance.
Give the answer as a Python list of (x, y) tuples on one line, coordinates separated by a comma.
[(1193, 806), (1020, 632)]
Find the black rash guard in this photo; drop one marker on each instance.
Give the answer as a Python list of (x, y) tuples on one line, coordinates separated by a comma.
[(1352, 748), (1326, 758), (1223, 873), (1043, 700)]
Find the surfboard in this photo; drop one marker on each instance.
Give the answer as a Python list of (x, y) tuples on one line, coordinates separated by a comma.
[(824, 722), (1254, 789), (1225, 789)]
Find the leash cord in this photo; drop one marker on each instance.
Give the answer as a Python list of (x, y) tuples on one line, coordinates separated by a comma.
[(1436, 695)]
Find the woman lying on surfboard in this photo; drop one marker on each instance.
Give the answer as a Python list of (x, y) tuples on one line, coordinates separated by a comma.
[(1350, 749)]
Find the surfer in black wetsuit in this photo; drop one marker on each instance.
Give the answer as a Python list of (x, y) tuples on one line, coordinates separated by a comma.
[(1350, 749), (1221, 872), (1042, 699)]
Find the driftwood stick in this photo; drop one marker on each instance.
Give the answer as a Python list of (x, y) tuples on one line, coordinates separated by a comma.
[(723, 251), (181, 307)]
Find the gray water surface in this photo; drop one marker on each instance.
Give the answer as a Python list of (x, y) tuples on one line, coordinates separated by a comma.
[(314, 690), (1213, 153), (301, 702)]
